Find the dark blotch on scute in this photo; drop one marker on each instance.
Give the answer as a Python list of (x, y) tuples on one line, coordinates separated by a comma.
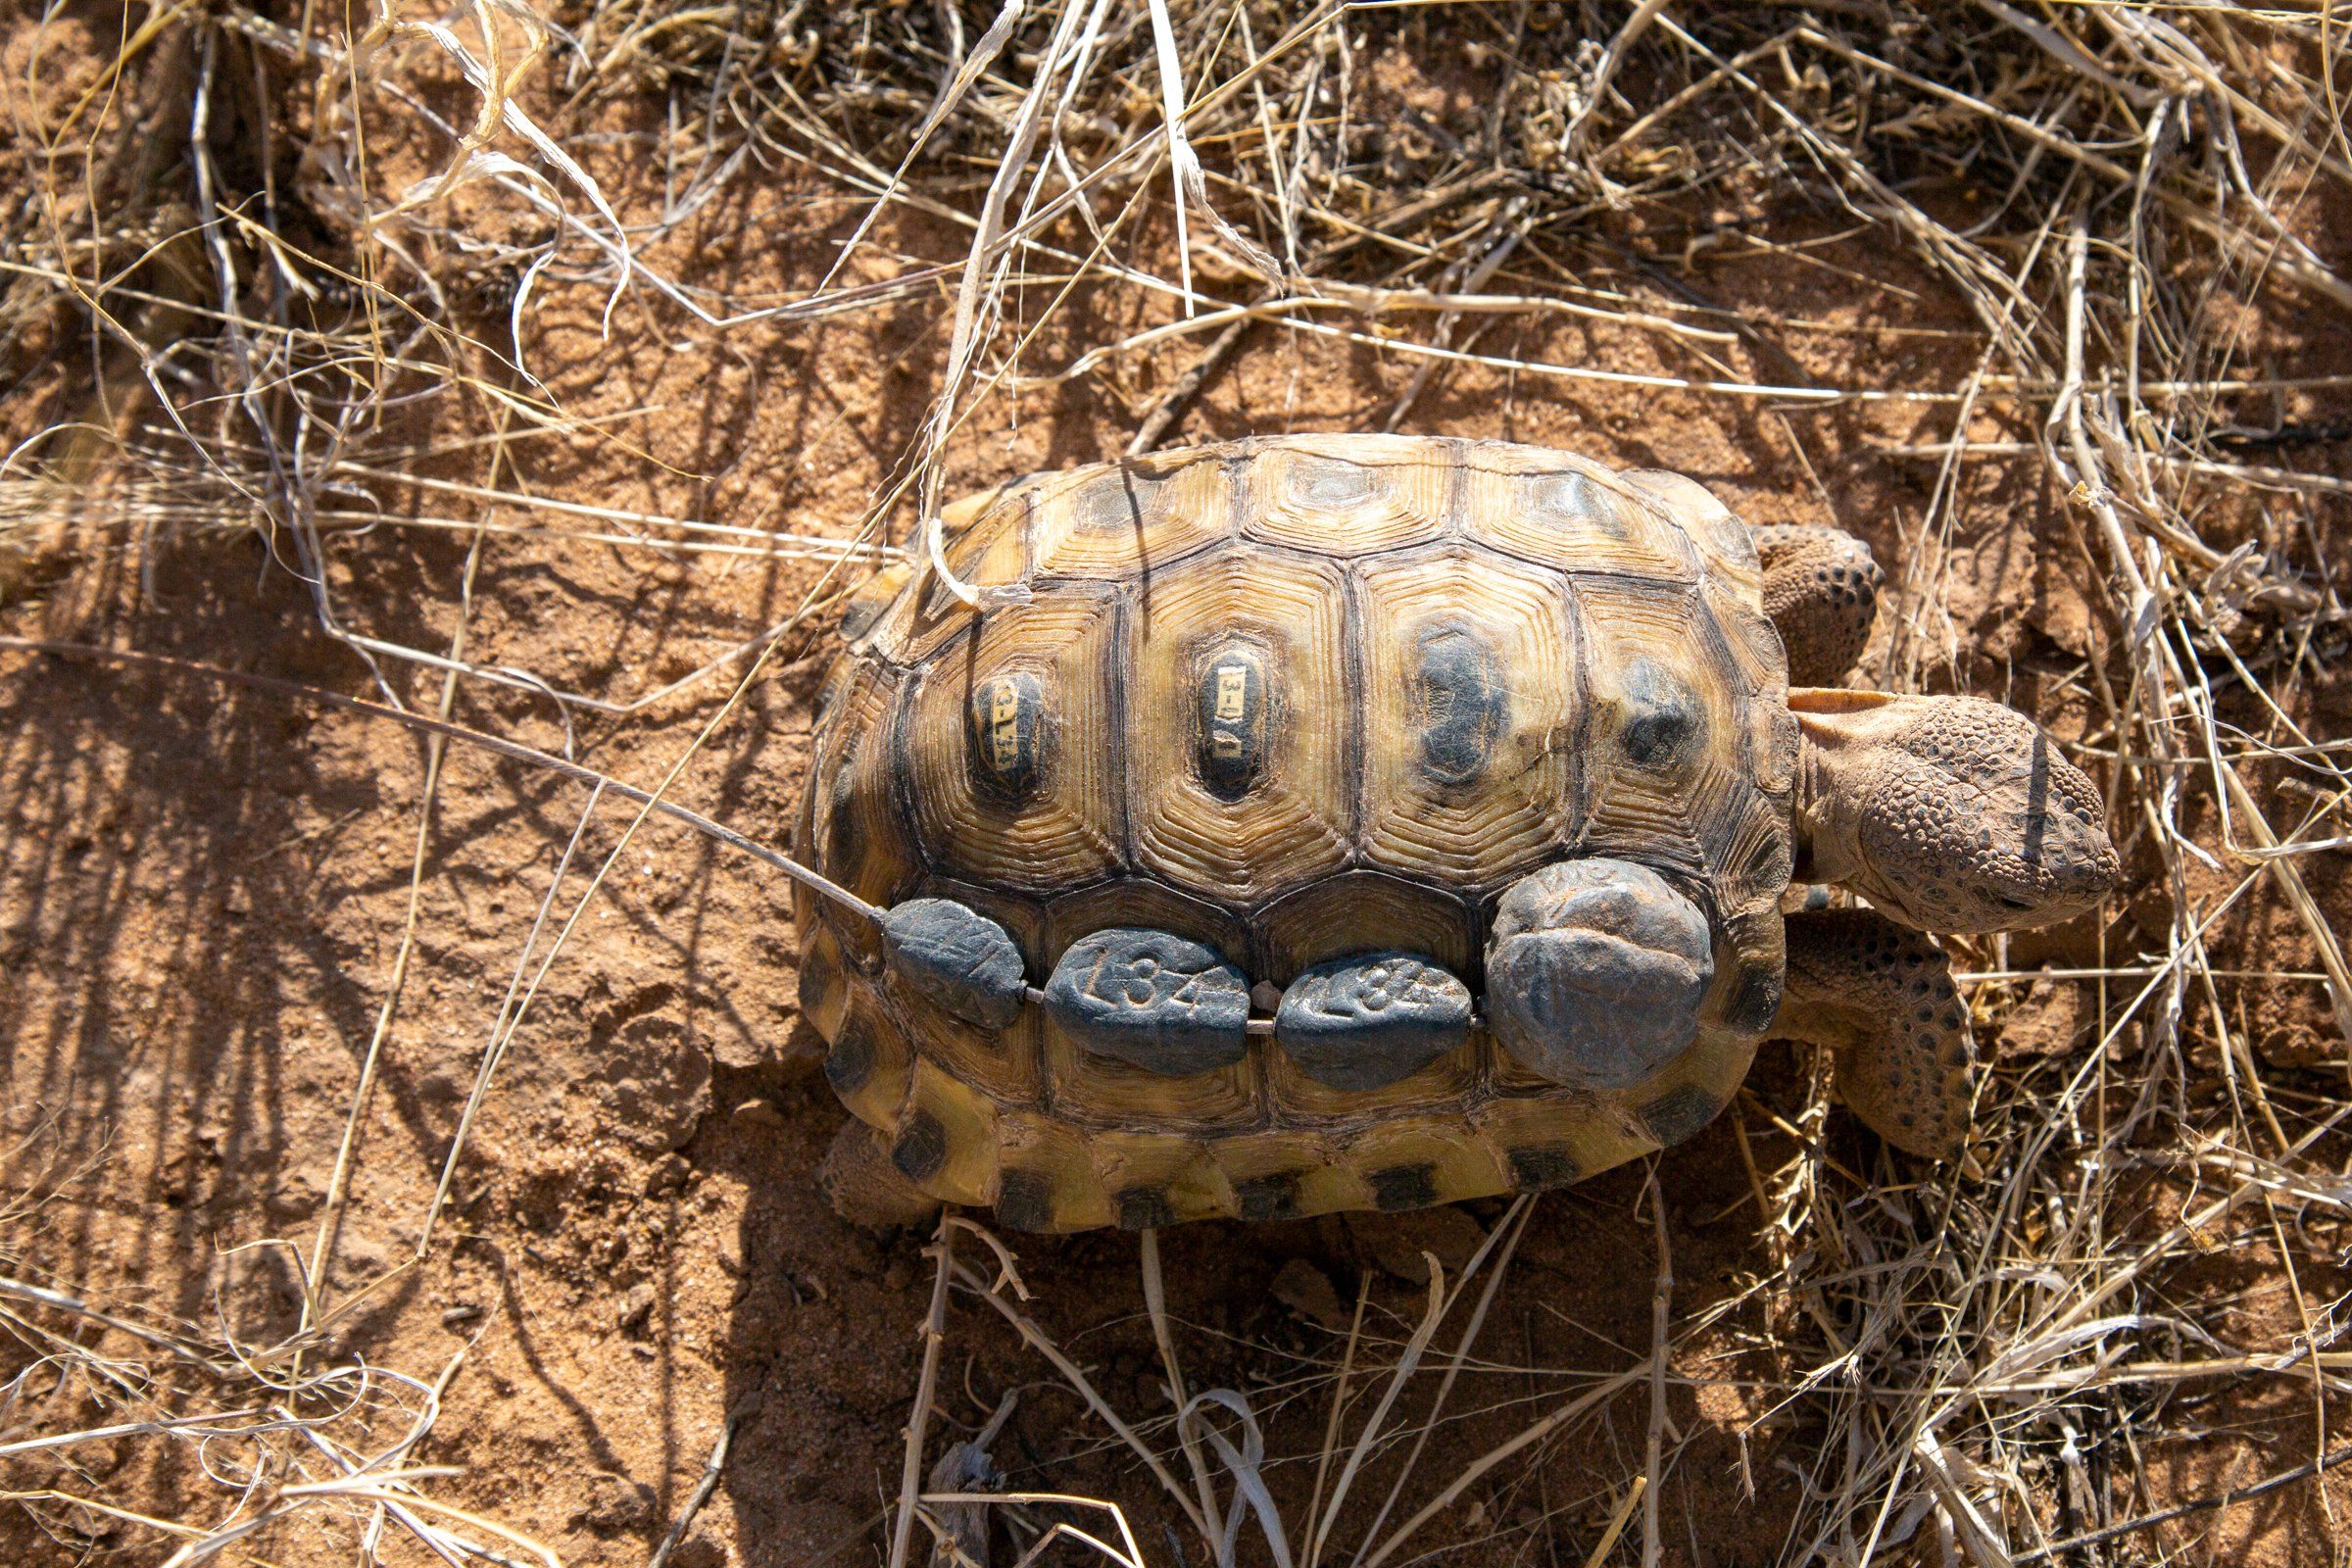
[(1143, 1208), (860, 615), (1460, 702), (922, 1148), (851, 1062), (1539, 1167), (1404, 1186), (1268, 1198), (1678, 1113), (843, 840), (1025, 1200), (1562, 499), (1755, 1003), (1662, 717)]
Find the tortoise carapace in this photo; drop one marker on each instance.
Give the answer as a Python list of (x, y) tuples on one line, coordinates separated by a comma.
[(1340, 822)]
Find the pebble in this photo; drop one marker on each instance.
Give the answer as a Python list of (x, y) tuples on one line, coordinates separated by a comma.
[(1309, 1292), (636, 1307)]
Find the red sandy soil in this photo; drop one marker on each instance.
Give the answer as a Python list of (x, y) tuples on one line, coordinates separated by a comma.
[(203, 888)]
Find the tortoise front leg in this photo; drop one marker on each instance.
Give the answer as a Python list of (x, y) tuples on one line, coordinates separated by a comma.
[(1821, 593), (1880, 999)]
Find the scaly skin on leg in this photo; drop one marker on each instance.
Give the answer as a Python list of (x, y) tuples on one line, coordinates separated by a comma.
[(1821, 593), (1880, 998), (865, 1189)]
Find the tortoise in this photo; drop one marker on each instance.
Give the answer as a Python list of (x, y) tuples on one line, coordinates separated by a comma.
[(1346, 821)]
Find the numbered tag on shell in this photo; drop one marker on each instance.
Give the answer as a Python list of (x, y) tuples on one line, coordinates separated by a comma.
[(957, 959), (1152, 999), (1367, 1022)]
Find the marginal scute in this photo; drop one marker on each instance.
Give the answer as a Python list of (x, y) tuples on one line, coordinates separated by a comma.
[(1364, 1023), (1721, 537), (1773, 738), (1595, 972), (1399, 1187), (1756, 942), (956, 957), (1025, 1200), (870, 1063), (868, 602), (1143, 1208), (1414, 1161), (1677, 1115), (1152, 999), (1265, 1197), (920, 1149), (948, 1129), (1539, 1167), (1346, 497)]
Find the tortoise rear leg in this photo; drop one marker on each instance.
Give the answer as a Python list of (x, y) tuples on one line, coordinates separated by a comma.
[(1821, 591), (865, 1189), (1880, 998)]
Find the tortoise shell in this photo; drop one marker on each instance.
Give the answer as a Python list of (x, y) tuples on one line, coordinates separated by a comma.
[(1293, 700)]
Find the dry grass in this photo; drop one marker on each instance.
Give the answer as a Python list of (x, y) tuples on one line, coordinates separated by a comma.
[(214, 351)]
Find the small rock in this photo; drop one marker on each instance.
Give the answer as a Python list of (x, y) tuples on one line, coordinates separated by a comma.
[(636, 1307), (2047, 1022), (803, 1052), (1309, 1292), (1395, 1241), (667, 1176), (786, 1048), (459, 1315), (758, 1113), (897, 1275), (617, 1504)]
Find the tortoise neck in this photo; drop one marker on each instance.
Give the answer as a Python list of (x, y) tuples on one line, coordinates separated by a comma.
[(1828, 808)]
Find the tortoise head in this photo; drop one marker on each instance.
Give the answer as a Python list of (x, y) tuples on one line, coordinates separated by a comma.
[(1948, 814)]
